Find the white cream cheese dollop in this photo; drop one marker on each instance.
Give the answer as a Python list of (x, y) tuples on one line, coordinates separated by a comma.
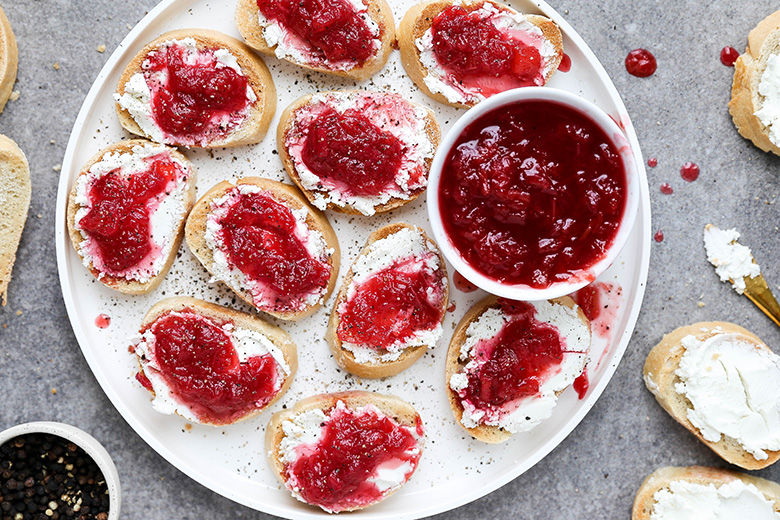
[(526, 413), (732, 386), (734, 500), (769, 90), (733, 261)]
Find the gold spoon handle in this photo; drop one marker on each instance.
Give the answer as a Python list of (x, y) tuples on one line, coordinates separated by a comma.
[(759, 293)]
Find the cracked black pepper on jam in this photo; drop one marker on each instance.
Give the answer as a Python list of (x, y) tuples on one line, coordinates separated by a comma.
[(47, 477)]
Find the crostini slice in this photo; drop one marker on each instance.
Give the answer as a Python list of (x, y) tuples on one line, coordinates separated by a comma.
[(9, 59), (16, 192)]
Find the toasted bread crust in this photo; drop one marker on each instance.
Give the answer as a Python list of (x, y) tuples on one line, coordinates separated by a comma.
[(247, 20), (453, 365), (16, 192), (122, 284), (9, 59), (396, 408), (344, 357), (660, 379), (763, 41), (195, 233), (432, 131), (277, 336), (258, 120), (419, 19), (644, 503)]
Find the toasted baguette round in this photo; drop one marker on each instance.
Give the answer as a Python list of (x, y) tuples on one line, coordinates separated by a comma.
[(660, 379), (277, 336), (255, 126), (117, 283), (248, 23), (393, 407), (432, 132), (15, 192), (763, 42), (644, 503), (195, 233), (345, 358), (9, 58), (419, 19), (453, 364)]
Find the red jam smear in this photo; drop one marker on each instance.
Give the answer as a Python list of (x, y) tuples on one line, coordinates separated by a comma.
[(581, 385), (332, 28), (532, 193), (351, 447), (118, 219), (600, 302), (199, 362), (728, 56), (565, 65), (482, 58), (352, 154), (519, 359), (194, 99), (392, 304), (462, 284), (259, 235), (641, 63)]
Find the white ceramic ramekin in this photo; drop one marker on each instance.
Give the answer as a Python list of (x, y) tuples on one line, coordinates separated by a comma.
[(84, 441), (524, 292)]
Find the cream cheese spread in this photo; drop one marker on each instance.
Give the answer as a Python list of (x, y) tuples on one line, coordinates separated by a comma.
[(733, 261), (769, 92), (734, 500)]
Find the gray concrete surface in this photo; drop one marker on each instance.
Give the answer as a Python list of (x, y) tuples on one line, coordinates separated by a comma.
[(680, 115)]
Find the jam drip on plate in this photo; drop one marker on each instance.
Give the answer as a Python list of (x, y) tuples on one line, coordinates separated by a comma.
[(118, 220), (335, 472), (482, 58), (333, 29), (532, 193), (352, 154), (199, 362), (194, 96), (260, 239), (392, 304)]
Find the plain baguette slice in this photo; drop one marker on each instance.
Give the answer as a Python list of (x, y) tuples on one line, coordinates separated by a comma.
[(248, 23), (277, 336), (660, 379), (453, 364), (15, 192), (432, 132), (258, 120), (644, 503), (419, 19), (123, 285), (9, 58), (763, 42), (393, 407), (195, 233), (409, 356)]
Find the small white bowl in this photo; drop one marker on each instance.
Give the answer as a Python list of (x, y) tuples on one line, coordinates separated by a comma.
[(524, 292), (84, 441)]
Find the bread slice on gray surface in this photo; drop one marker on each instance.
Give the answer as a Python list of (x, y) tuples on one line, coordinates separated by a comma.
[(660, 379), (259, 114), (661, 479), (248, 23), (9, 57), (15, 193)]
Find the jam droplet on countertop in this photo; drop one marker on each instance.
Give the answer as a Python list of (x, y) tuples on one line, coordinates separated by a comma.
[(462, 284), (581, 384), (652, 162), (103, 321), (641, 63), (565, 65), (667, 189), (659, 236), (728, 56), (333, 29), (392, 305), (198, 361), (689, 171), (335, 472), (532, 193)]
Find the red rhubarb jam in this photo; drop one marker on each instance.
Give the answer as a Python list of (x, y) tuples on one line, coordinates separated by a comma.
[(350, 153), (195, 98), (261, 237), (353, 444), (392, 305), (533, 193), (481, 56), (117, 221), (333, 30), (196, 358)]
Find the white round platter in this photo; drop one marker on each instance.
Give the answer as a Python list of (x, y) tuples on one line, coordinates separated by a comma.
[(454, 469)]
